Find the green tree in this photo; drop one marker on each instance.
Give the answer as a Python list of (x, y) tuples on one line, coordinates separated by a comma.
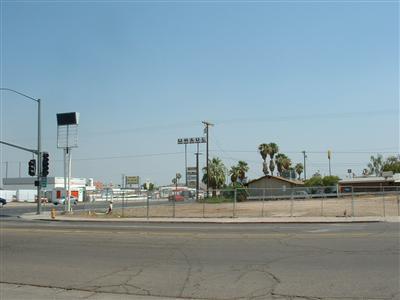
[(234, 173), (330, 180), (392, 163), (314, 181), (216, 178), (299, 169), (283, 164), (264, 151), (149, 187), (376, 165)]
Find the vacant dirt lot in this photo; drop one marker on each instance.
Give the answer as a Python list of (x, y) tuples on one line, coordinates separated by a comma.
[(329, 207)]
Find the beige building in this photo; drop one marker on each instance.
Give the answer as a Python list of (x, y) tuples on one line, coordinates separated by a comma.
[(268, 187)]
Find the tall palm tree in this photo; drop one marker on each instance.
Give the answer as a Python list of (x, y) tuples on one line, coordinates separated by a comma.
[(299, 169), (243, 169), (273, 149), (264, 151), (279, 158), (216, 178)]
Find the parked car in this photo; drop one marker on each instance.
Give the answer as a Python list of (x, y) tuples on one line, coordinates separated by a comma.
[(301, 195), (178, 197), (3, 202), (74, 201)]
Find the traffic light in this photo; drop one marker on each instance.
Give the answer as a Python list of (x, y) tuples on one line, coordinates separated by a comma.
[(45, 164), (32, 167)]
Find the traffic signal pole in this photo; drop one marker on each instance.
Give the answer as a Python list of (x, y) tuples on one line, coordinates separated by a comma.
[(39, 162), (39, 145)]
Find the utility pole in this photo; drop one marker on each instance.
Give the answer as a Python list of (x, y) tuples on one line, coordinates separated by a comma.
[(207, 124), (197, 172), (304, 159), (329, 158), (6, 169)]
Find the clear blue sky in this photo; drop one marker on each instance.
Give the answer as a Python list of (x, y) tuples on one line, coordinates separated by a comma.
[(308, 75)]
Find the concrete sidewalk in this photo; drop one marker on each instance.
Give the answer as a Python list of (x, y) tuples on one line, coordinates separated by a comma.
[(45, 216)]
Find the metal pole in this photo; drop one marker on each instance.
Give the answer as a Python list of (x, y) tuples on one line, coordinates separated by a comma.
[(69, 180), (19, 172), (398, 202), (305, 169), (39, 160), (234, 203), (262, 210), (291, 204), (65, 176), (197, 173), (352, 202), (148, 205), (175, 194), (330, 173), (186, 165), (123, 203), (6, 169), (208, 174), (383, 202)]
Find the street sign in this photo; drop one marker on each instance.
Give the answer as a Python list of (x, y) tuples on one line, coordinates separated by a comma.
[(43, 182), (193, 140), (132, 179)]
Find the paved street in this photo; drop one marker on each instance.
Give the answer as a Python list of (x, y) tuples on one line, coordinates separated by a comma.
[(61, 260)]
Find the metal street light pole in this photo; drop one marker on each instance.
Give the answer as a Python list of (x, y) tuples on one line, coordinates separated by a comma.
[(39, 146)]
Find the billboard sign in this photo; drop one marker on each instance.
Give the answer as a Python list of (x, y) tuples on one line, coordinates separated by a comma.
[(132, 180), (192, 140)]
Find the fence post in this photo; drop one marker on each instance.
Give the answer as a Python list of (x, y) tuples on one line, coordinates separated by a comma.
[(147, 205), (234, 203), (322, 206), (398, 201), (291, 204), (263, 201), (123, 203), (204, 206), (383, 202), (173, 209), (352, 202)]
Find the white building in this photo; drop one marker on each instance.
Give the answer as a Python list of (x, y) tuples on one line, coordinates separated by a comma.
[(26, 190)]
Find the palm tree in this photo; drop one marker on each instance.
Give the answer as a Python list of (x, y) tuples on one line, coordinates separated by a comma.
[(216, 178), (299, 169), (279, 158), (243, 169), (178, 176), (376, 165), (273, 149), (264, 151), (234, 173)]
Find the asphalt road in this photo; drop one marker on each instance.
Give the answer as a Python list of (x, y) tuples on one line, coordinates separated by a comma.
[(201, 261)]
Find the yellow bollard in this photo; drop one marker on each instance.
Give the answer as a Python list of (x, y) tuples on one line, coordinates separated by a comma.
[(53, 213)]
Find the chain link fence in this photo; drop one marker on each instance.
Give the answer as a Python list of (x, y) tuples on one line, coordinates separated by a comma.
[(346, 202)]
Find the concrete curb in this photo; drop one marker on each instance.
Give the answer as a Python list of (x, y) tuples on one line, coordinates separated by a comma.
[(46, 217)]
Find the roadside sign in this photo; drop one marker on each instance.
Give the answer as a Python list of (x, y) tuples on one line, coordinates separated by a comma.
[(131, 180), (43, 182), (192, 140)]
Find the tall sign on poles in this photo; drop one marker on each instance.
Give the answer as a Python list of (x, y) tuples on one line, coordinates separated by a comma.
[(67, 138), (186, 141)]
